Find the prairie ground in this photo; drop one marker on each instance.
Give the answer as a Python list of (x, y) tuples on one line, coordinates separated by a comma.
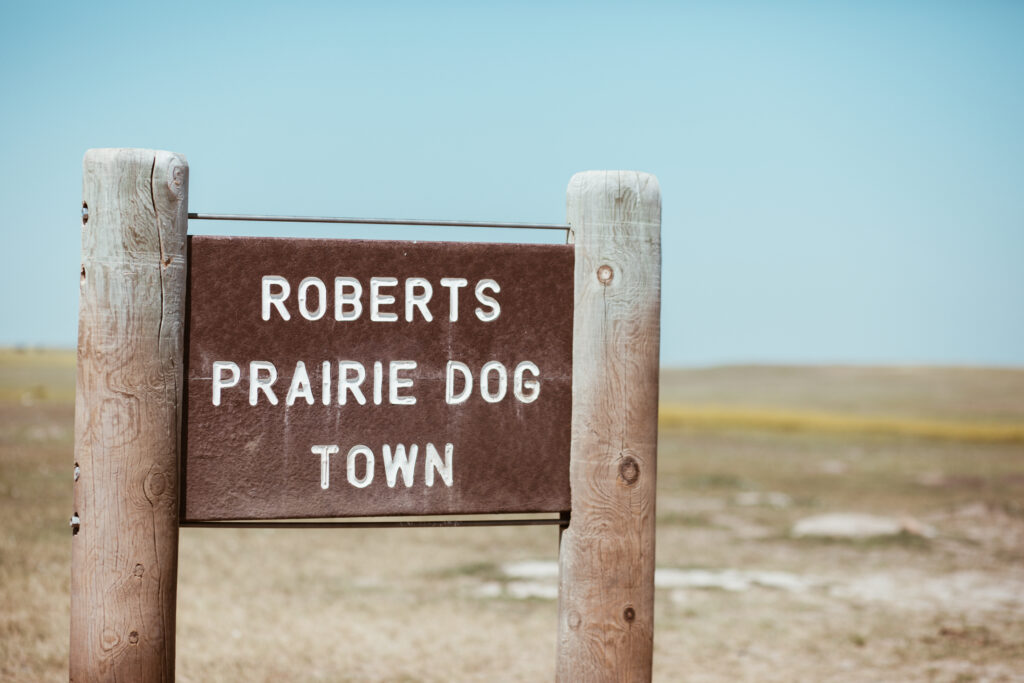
[(739, 597)]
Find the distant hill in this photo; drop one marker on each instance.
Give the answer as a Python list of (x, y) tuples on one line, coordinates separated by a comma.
[(984, 394)]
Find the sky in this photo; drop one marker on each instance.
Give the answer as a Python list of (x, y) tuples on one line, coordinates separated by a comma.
[(841, 182)]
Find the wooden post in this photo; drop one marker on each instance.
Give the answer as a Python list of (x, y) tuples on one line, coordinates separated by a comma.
[(124, 551), (606, 557)]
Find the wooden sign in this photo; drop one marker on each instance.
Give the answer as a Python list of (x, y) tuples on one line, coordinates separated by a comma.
[(323, 378), (339, 378)]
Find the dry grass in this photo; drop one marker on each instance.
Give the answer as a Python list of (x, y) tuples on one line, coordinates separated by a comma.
[(948, 394), (724, 418), (393, 605)]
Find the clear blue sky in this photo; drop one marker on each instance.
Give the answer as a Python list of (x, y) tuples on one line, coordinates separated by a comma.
[(841, 182)]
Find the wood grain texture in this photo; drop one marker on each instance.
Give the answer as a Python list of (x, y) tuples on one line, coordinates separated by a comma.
[(127, 415), (606, 556)]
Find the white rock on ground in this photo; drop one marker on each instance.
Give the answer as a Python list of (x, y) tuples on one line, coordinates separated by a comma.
[(966, 591), (531, 569), (522, 590), (729, 579), (539, 579), (858, 525), (773, 499)]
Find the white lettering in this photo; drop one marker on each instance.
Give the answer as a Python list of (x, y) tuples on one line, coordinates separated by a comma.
[(346, 385), (531, 386), (377, 299), (378, 379), (395, 382), (325, 453), (321, 303), (300, 386), (433, 462), (453, 284), (414, 300), (485, 381), (341, 299), (325, 382), (255, 383), (399, 461), (219, 366), (350, 466), (450, 397), (490, 302), (277, 299)]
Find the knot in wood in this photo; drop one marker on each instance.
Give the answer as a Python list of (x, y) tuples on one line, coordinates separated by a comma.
[(85, 213), (629, 470), (605, 274), (177, 181), (629, 614), (156, 484), (574, 620), (139, 571), (133, 637), (109, 639)]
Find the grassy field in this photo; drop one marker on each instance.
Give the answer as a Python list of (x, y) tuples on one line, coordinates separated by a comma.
[(744, 454)]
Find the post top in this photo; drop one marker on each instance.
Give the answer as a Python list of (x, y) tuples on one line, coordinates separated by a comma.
[(103, 154), (616, 193), (643, 186)]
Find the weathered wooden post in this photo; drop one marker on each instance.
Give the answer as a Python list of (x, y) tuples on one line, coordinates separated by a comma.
[(606, 592), (128, 415)]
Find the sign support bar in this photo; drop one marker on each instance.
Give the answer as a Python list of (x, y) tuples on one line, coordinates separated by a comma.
[(373, 221), (378, 524)]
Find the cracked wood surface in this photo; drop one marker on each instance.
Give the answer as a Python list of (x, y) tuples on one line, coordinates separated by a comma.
[(128, 415), (606, 592)]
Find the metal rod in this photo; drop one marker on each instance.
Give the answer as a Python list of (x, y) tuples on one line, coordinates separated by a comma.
[(409, 524), (373, 221)]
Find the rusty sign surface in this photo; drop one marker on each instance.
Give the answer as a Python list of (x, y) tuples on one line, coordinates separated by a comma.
[(340, 378)]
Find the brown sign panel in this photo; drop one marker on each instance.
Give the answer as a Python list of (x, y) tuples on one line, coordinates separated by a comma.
[(338, 378)]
